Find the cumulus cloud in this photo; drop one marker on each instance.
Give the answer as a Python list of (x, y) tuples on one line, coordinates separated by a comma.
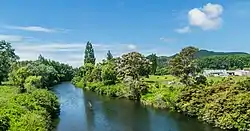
[(32, 28), (183, 30), (208, 17), (11, 38)]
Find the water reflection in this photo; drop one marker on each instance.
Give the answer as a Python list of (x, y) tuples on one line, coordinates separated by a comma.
[(116, 115)]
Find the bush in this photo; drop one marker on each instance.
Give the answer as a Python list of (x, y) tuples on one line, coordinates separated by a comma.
[(31, 122), (4, 123), (109, 74), (33, 82), (226, 104), (27, 111)]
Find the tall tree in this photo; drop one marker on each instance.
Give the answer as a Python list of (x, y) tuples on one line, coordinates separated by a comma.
[(131, 67), (153, 60), (89, 54), (133, 64), (7, 56), (183, 65), (109, 55)]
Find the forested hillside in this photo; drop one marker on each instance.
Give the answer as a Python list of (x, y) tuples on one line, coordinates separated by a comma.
[(212, 60)]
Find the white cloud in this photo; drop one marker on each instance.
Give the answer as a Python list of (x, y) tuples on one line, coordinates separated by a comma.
[(167, 40), (11, 38), (71, 53), (183, 30), (131, 46), (207, 18), (32, 28)]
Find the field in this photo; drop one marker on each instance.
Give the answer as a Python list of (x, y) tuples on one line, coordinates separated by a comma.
[(170, 78)]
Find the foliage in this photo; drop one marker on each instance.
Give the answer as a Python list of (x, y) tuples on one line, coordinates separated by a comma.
[(7, 56), (206, 53), (162, 61), (153, 60), (51, 72), (109, 73), (133, 64), (27, 111), (162, 71), (225, 62), (87, 71), (135, 87), (164, 96), (219, 101), (226, 104), (33, 82), (200, 80), (117, 90), (96, 73), (183, 65), (89, 54), (109, 56)]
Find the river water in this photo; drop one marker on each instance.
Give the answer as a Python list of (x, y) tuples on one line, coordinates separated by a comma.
[(116, 114)]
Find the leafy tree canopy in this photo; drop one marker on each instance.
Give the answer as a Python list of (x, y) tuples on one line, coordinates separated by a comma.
[(89, 54)]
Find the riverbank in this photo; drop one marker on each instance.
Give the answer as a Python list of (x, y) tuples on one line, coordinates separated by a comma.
[(26, 102), (224, 103), (27, 111)]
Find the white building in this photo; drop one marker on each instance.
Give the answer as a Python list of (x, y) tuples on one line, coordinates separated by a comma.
[(215, 73), (241, 73), (226, 73)]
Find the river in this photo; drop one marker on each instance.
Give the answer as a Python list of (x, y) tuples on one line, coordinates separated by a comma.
[(116, 114)]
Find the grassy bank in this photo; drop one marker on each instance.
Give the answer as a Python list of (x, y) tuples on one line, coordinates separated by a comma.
[(222, 102), (30, 111)]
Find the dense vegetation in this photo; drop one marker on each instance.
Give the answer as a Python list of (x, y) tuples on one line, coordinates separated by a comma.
[(209, 60), (221, 102), (25, 102), (225, 62)]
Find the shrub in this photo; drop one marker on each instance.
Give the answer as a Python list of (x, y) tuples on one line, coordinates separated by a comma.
[(109, 74), (4, 123), (226, 104), (27, 111), (33, 82)]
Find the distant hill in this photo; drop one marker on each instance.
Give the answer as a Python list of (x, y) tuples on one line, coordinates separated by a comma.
[(162, 60), (204, 53)]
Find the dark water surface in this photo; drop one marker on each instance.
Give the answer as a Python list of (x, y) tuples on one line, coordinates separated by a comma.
[(115, 114)]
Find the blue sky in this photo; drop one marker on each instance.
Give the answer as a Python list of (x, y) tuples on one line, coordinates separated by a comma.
[(59, 29)]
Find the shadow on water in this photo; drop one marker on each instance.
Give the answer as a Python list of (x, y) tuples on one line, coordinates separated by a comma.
[(116, 114)]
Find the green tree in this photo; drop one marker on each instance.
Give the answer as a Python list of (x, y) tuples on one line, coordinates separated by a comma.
[(87, 72), (153, 60), (109, 55), (133, 64), (96, 73), (89, 54), (109, 73), (131, 67), (33, 82), (183, 65), (7, 56), (225, 62)]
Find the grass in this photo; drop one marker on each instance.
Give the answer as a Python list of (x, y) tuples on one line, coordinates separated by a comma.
[(218, 79), (161, 96), (160, 79), (169, 78), (164, 95)]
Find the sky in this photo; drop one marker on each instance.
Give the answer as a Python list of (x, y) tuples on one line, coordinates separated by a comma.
[(60, 29)]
